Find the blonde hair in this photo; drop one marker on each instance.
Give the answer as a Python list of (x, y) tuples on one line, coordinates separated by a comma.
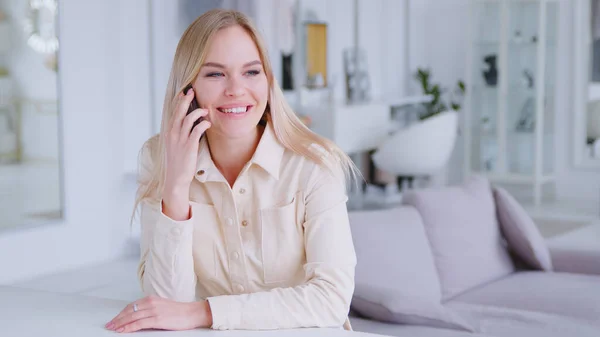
[(289, 130)]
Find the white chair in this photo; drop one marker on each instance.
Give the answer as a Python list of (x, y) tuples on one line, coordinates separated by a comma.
[(420, 149)]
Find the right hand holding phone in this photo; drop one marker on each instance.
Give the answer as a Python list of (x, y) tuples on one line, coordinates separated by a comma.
[(182, 142)]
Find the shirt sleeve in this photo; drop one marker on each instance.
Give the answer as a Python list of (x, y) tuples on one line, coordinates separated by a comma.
[(324, 299), (166, 267)]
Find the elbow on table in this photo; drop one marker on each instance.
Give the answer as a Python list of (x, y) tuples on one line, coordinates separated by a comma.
[(337, 306)]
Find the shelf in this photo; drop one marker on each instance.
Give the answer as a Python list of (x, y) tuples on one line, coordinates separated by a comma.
[(514, 44), (515, 178), (512, 88)]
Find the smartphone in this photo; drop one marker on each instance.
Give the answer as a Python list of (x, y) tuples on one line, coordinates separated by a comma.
[(193, 106)]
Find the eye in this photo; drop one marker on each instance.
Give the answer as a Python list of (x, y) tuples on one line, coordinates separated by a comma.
[(253, 72), (214, 74)]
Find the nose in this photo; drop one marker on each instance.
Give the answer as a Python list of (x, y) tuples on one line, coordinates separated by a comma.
[(234, 87)]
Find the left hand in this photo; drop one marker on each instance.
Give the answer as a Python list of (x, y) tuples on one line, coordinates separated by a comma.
[(158, 313)]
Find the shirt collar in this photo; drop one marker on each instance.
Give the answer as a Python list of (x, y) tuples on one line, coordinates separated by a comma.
[(268, 155), (269, 152)]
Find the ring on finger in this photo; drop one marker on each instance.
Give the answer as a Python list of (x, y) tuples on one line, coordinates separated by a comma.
[(135, 307)]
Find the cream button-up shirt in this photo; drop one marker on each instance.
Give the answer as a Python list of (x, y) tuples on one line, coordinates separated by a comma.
[(274, 251)]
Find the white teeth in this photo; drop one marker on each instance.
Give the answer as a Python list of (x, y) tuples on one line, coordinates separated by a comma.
[(235, 110)]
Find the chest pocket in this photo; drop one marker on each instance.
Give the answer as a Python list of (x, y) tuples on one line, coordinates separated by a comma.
[(282, 241), (206, 238)]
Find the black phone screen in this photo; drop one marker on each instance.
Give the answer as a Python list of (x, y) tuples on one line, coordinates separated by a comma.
[(193, 106)]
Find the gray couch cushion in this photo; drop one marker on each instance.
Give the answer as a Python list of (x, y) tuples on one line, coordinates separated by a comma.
[(387, 305), (464, 235), (577, 251), (393, 252), (571, 295), (403, 330), (507, 322), (521, 233)]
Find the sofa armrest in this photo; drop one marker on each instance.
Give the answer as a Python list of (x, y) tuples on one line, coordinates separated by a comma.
[(575, 260), (576, 251)]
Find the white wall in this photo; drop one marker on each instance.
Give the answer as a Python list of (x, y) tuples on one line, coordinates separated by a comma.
[(95, 226)]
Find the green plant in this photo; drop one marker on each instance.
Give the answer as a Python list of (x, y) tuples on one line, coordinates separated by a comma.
[(438, 104)]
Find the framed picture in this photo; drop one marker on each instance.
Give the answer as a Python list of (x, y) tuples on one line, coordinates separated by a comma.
[(316, 54)]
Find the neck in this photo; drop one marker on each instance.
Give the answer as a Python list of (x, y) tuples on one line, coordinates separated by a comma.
[(231, 154)]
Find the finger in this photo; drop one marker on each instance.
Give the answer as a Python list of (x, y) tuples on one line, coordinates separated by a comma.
[(142, 304), (128, 319), (199, 130), (181, 109), (191, 119), (144, 323), (127, 309)]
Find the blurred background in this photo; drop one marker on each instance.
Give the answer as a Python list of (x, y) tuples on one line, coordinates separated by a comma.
[(419, 93)]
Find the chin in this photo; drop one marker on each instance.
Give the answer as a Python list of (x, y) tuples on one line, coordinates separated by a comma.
[(238, 128)]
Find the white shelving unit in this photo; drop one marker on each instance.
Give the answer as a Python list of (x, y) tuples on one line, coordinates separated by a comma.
[(509, 111)]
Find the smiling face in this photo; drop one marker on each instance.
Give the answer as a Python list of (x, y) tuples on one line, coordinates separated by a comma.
[(232, 84)]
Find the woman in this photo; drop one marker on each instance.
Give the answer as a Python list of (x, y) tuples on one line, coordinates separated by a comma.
[(244, 221)]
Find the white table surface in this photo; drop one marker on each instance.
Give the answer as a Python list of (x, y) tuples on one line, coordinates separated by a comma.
[(25, 312)]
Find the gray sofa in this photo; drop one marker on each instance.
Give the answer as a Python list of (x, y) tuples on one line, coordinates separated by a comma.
[(467, 260)]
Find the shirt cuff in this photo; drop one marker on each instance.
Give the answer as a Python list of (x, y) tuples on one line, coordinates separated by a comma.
[(173, 229), (226, 312)]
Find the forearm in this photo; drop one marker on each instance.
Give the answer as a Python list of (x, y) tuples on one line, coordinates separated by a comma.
[(322, 302), (167, 266)]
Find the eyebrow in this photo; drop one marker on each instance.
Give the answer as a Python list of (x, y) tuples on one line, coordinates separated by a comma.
[(218, 65)]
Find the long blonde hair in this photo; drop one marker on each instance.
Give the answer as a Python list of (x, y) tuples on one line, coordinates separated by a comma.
[(289, 129)]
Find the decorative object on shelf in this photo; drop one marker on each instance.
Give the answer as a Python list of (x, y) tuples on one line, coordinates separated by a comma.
[(358, 84), (491, 73), (488, 145), (40, 26), (288, 71), (526, 122), (518, 38), (287, 40), (316, 54), (528, 79), (438, 104)]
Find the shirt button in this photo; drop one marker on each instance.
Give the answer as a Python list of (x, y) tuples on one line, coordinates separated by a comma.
[(176, 231), (242, 190), (201, 172), (235, 255), (244, 223), (240, 288), (229, 221)]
